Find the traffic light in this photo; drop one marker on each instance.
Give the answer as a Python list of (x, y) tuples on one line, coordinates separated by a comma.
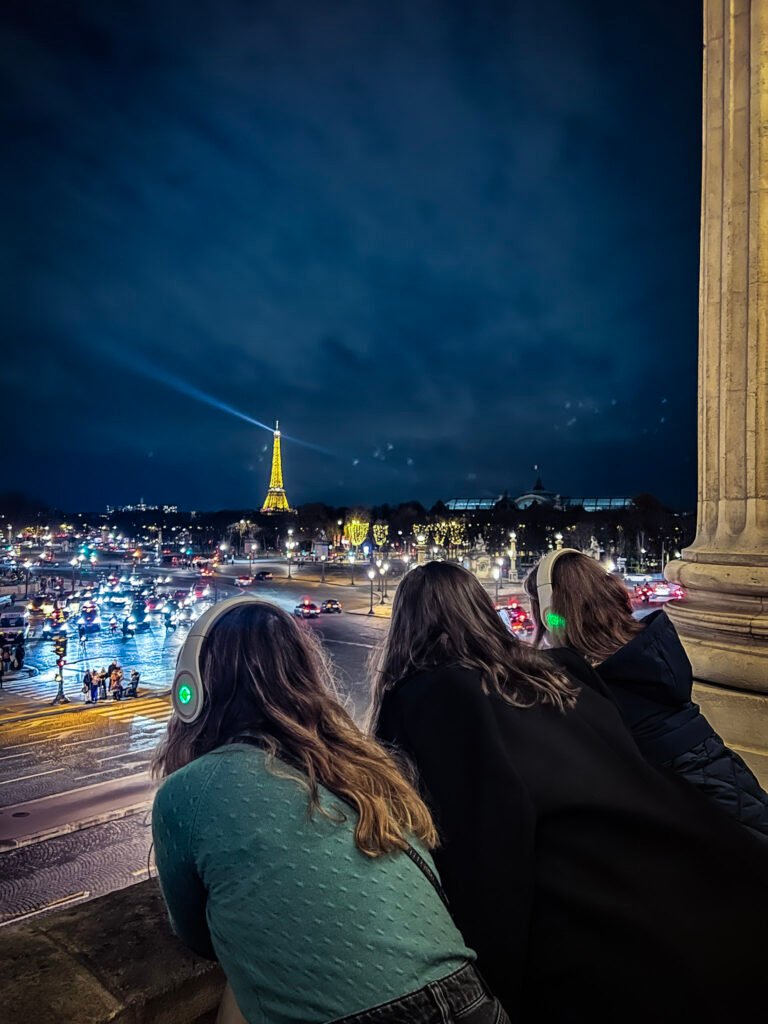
[(60, 648), (60, 662)]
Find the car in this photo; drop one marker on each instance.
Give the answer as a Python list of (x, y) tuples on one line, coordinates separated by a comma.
[(331, 606), (244, 581), (262, 574), (89, 619), (516, 619), (306, 610)]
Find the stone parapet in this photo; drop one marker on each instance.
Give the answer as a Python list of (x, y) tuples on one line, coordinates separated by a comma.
[(113, 960)]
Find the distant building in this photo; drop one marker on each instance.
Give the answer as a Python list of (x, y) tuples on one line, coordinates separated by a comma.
[(597, 504), (276, 499), (539, 495), (472, 504)]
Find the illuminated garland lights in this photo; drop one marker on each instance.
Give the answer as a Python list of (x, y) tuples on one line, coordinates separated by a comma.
[(380, 534), (356, 530)]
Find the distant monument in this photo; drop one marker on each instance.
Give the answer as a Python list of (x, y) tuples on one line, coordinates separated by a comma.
[(276, 500)]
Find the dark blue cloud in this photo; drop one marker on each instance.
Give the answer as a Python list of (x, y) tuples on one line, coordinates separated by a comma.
[(447, 240)]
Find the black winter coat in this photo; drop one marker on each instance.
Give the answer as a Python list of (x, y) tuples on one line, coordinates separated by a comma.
[(592, 886), (651, 680)]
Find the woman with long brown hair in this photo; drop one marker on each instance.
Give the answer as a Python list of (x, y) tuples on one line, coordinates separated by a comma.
[(290, 846), (645, 667), (592, 887)]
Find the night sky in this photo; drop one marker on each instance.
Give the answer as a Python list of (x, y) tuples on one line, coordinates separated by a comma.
[(441, 241)]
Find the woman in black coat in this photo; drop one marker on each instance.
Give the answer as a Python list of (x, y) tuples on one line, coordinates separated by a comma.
[(593, 887), (647, 672)]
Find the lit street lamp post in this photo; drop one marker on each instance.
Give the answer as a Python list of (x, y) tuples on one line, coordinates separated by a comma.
[(322, 568), (352, 566), (371, 577), (27, 566), (383, 570), (497, 576)]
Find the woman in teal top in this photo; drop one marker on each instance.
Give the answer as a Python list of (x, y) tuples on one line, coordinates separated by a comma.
[(290, 847)]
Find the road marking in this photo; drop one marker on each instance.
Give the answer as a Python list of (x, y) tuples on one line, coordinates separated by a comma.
[(23, 778), (7, 757), (115, 768), (65, 901), (348, 643), (125, 753)]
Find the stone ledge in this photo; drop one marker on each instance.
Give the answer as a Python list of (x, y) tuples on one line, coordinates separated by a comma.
[(741, 718), (113, 960)]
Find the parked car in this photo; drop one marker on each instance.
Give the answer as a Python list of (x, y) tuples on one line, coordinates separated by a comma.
[(306, 610), (262, 574), (331, 606)]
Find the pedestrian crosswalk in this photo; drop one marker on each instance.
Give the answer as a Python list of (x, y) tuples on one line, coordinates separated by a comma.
[(34, 696)]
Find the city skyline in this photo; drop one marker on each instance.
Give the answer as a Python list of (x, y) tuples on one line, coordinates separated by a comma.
[(458, 243)]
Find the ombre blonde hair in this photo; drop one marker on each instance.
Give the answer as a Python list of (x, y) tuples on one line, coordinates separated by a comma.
[(265, 676)]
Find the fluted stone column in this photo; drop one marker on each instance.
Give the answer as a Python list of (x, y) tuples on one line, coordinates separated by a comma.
[(724, 620)]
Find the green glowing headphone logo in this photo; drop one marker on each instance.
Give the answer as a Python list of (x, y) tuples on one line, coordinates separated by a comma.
[(555, 621), (185, 694)]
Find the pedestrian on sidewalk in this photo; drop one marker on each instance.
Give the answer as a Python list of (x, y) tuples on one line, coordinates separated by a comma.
[(116, 683), (102, 676), (290, 847)]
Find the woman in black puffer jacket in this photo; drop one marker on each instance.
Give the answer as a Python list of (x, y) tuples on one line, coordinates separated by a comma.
[(647, 672)]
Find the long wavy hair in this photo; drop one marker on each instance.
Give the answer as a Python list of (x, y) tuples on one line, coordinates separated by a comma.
[(593, 608), (442, 615), (266, 676)]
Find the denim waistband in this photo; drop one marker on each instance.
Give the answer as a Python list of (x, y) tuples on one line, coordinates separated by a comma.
[(437, 1001)]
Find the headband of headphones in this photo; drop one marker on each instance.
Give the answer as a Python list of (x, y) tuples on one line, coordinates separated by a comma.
[(544, 586), (187, 691)]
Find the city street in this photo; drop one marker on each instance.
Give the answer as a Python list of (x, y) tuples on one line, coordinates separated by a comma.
[(74, 788)]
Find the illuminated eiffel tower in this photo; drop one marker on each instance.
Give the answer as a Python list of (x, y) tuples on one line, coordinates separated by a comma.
[(276, 501)]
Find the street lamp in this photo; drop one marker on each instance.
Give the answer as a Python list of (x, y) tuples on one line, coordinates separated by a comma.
[(558, 541), (406, 560), (289, 546), (383, 569), (352, 566), (497, 576), (27, 566), (512, 555), (371, 577), (322, 568)]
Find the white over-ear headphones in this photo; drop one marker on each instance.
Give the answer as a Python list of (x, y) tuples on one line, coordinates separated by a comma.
[(544, 587), (187, 692)]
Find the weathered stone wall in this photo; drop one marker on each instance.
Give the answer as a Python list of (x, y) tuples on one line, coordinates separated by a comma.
[(112, 959)]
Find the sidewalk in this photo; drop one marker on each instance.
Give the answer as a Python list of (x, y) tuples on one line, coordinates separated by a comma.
[(49, 816)]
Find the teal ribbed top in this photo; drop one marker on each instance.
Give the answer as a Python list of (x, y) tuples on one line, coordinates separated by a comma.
[(306, 927)]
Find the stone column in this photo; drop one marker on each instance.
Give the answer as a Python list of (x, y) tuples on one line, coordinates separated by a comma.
[(724, 619)]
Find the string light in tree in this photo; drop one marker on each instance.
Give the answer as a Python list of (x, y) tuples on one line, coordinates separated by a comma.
[(439, 532), (456, 532), (356, 530), (380, 534)]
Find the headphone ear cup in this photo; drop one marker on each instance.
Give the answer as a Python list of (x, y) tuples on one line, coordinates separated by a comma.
[(187, 696), (188, 692)]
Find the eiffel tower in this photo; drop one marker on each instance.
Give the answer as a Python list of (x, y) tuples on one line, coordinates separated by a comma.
[(276, 501)]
